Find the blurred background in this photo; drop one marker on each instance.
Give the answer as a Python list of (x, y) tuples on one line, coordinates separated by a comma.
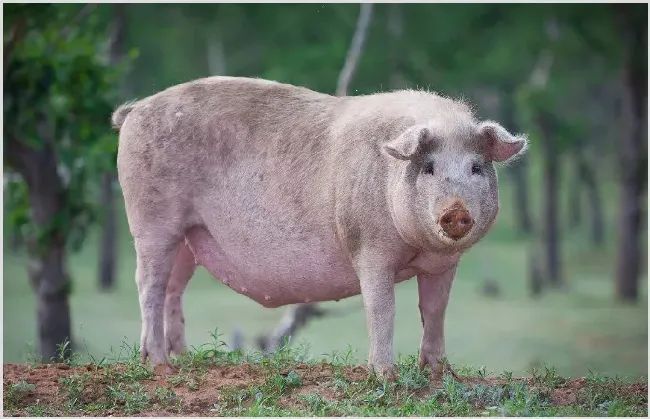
[(562, 278)]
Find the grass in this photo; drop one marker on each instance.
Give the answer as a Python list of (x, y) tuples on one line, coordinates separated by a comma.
[(577, 331), (212, 381)]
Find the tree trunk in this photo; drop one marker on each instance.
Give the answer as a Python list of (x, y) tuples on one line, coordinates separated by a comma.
[(550, 230), (535, 276), (215, 54), (629, 255), (588, 177), (585, 180), (356, 48), (574, 213), (517, 171), (51, 283), (49, 276), (46, 268), (519, 176), (108, 243), (633, 152)]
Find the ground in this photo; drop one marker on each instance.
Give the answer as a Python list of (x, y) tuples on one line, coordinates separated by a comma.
[(210, 381)]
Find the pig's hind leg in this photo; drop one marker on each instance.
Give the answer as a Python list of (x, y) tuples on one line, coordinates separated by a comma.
[(156, 254), (182, 271)]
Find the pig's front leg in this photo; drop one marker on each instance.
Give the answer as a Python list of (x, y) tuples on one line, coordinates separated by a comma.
[(433, 291), (377, 289)]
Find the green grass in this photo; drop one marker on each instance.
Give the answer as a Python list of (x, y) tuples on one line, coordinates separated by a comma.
[(292, 384), (581, 330)]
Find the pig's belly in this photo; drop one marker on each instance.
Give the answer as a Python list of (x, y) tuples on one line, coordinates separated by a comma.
[(275, 276)]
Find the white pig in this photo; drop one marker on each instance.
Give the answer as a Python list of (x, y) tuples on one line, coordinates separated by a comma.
[(288, 196)]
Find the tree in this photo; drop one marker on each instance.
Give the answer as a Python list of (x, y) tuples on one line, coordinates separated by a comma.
[(356, 47), (57, 101), (518, 171), (633, 146), (536, 101), (108, 244), (617, 36), (585, 177)]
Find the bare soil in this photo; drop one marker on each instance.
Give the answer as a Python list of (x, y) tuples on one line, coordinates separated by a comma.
[(198, 400)]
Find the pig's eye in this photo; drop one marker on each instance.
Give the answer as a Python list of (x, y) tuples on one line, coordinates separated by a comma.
[(427, 169), (477, 169)]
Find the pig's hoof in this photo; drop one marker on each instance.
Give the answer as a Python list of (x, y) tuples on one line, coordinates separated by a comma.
[(387, 372), (439, 373), (176, 350), (163, 370)]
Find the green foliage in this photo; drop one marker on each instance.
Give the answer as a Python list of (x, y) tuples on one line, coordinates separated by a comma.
[(130, 398), (73, 387), (15, 393), (60, 90)]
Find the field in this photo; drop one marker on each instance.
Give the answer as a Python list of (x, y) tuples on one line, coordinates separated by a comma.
[(216, 382), (574, 332)]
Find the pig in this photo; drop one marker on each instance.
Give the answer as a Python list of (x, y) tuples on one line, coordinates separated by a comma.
[(288, 196)]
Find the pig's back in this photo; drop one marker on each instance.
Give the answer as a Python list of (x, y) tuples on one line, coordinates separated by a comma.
[(228, 134)]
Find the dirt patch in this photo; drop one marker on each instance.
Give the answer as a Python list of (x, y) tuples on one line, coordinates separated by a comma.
[(118, 390), (54, 383)]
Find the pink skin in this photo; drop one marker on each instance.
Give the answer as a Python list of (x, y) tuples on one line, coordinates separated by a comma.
[(286, 196), (184, 267), (200, 248), (433, 292)]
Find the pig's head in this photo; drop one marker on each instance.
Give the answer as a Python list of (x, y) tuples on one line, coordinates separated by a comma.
[(443, 189)]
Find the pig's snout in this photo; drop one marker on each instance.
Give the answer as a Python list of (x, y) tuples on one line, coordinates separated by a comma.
[(456, 221)]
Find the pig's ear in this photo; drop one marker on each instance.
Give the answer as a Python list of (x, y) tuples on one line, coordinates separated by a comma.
[(409, 143), (501, 145)]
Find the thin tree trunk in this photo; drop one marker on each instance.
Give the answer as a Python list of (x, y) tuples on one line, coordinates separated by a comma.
[(535, 276), (519, 175), (585, 180), (550, 230), (633, 153), (575, 194), (628, 265), (551, 265), (597, 223), (356, 47), (517, 171), (108, 243), (216, 54)]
